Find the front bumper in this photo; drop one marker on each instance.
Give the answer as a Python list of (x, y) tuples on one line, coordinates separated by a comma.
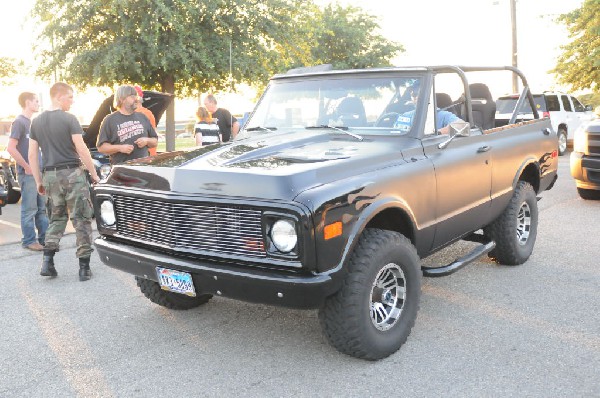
[(246, 284), (585, 170)]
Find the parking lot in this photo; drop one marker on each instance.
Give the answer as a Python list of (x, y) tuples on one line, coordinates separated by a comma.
[(485, 331)]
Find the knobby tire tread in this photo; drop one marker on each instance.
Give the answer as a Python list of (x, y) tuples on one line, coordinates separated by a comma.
[(337, 314), (154, 293), (503, 231)]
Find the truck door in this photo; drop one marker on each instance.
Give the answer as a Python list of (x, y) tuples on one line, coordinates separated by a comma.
[(569, 117), (463, 179), (580, 115)]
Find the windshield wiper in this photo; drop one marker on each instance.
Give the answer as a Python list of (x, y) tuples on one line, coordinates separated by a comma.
[(261, 128), (343, 129)]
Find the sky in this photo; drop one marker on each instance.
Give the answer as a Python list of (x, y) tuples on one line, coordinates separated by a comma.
[(433, 32)]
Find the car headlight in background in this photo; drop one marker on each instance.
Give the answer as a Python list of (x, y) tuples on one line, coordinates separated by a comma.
[(107, 213), (104, 171), (580, 138), (283, 235)]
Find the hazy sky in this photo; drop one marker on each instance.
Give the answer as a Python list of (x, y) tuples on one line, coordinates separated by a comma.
[(433, 32)]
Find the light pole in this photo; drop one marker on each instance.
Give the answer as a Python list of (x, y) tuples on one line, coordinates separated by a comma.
[(513, 22)]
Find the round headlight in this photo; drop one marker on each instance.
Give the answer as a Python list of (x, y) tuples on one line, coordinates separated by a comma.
[(107, 212), (283, 235), (104, 171)]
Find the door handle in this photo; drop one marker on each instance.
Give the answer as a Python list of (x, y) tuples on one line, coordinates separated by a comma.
[(484, 148), (546, 131)]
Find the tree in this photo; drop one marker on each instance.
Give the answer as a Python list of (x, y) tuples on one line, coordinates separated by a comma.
[(579, 64), (9, 68), (187, 47), (346, 38)]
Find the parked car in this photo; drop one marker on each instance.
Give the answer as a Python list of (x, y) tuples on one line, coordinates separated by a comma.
[(329, 198), (565, 111), (585, 160), (9, 183)]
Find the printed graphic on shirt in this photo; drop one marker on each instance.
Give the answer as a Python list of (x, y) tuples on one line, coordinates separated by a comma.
[(129, 129)]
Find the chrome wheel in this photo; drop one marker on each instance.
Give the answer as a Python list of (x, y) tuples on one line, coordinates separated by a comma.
[(388, 294), (523, 223), (562, 143)]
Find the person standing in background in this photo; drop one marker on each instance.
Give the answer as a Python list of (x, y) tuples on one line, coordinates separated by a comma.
[(126, 134), (33, 208), (228, 125), (142, 109), (64, 180), (206, 132)]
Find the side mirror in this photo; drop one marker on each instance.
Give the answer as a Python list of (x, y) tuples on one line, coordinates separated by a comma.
[(460, 129), (456, 129), (588, 108)]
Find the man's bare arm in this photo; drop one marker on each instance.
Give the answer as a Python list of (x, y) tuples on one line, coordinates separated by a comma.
[(35, 165), (14, 152)]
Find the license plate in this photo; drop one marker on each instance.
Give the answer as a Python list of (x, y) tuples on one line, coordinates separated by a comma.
[(176, 281)]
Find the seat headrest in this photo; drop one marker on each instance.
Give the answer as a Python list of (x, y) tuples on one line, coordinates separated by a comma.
[(480, 90)]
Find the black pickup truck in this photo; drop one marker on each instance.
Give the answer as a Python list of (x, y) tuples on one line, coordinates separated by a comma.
[(336, 188)]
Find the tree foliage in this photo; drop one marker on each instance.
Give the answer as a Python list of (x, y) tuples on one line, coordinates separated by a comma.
[(9, 68), (347, 38), (579, 63), (184, 46)]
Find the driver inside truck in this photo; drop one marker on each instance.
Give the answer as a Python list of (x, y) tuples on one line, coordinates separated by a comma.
[(442, 120)]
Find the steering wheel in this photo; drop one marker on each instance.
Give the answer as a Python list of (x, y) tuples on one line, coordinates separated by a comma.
[(387, 119)]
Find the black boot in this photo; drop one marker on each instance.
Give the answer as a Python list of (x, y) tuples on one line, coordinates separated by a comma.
[(84, 269), (48, 264)]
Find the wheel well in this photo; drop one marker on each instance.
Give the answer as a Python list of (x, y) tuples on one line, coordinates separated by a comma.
[(563, 126), (393, 220), (531, 175)]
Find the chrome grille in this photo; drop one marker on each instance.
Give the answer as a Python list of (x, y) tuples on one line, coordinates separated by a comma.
[(201, 227), (593, 143)]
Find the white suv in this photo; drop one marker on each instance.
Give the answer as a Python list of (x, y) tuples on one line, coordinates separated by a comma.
[(565, 111)]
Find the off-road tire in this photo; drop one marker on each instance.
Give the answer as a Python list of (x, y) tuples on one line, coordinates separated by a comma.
[(562, 141), (173, 301), (347, 318), (588, 194), (515, 230)]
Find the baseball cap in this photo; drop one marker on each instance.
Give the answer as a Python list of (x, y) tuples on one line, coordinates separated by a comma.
[(140, 93)]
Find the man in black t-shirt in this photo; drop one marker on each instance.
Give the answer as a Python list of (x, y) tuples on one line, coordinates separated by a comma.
[(126, 134), (228, 124), (64, 181)]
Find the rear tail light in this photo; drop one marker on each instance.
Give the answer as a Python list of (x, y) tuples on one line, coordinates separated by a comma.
[(546, 114)]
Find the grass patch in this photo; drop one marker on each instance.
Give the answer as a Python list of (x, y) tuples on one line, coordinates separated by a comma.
[(180, 143)]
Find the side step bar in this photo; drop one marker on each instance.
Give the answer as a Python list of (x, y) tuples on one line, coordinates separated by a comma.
[(460, 262)]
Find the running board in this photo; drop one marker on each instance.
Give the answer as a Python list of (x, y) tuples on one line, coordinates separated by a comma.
[(459, 263)]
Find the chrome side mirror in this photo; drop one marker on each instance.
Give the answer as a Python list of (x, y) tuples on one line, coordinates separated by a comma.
[(456, 129), (460, 129)]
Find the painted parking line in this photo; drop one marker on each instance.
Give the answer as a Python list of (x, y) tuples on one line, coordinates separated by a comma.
[(71, 349), (10, 224)]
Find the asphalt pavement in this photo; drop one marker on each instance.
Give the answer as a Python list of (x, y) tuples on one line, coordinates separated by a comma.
[(485, 331)]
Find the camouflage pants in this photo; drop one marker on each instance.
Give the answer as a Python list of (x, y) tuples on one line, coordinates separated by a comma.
[(68, 194)]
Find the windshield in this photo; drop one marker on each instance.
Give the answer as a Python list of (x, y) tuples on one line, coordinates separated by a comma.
[(363, 104)]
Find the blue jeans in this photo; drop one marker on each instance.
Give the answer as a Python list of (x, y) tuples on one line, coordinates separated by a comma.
[(33, 211)]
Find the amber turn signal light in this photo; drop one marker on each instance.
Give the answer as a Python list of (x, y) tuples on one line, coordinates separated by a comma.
[(332, 230)]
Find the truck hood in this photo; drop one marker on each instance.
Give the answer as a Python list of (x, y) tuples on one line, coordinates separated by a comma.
[(270, 166)]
